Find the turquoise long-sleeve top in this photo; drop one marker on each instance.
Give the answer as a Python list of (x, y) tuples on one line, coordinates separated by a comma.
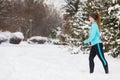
[(94, 35)]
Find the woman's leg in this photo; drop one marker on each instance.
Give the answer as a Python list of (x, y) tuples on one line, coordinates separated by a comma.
[(101, 57), (91, 59)]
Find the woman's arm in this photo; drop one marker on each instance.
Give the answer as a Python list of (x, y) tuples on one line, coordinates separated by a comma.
[(92, 33)]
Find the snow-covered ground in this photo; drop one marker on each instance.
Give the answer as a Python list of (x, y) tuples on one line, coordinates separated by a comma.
[(50, 62)]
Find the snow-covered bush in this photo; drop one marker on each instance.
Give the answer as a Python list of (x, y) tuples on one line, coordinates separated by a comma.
[(37, 40), (57, 42), (4, 36), (16, 37)]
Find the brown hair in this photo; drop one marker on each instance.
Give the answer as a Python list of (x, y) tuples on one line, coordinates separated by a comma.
[(96, 17), (98, 20)]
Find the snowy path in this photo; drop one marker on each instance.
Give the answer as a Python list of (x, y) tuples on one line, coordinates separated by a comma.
[(49, 62)]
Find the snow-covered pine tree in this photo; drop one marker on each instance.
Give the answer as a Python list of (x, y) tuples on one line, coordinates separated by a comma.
[(67, 32), (114, 11), (110, 22), (73, 27)]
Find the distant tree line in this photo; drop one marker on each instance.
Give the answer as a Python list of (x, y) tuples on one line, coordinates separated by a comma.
[(32, 17)]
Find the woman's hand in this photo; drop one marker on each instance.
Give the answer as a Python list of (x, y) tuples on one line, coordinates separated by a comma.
[(83, 43)]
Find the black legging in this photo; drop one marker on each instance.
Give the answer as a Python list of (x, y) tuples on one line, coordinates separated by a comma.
[(97, 50)]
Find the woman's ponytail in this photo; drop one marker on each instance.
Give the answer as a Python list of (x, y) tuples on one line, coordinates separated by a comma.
[(98, 20)]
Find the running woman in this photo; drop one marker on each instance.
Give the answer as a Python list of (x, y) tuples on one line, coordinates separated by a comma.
[(95, 40)]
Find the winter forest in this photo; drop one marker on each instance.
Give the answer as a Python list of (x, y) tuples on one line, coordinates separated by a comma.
[(68, 24), (55, 26)]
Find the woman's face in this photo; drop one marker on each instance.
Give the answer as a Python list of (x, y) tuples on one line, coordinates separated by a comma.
[(91, 19)]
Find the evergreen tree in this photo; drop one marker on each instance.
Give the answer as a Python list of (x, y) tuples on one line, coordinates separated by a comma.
[(73, 27), (114, 38), (110, 22), (70, 26), (72, 6)]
